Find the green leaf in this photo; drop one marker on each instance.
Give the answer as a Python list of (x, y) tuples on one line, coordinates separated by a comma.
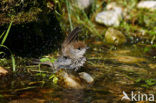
[(138, 80), (2, 53), (145, 85), (6, 34), (55, 80), (38, 74), (52, 60), (13, 62), (44, 59), (43, 74), (51, 76), (150, 82), (2, 35)]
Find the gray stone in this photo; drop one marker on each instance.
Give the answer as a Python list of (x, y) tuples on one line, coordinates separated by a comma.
[(151, 5), (87, 77), (111, 17), (83, 4)]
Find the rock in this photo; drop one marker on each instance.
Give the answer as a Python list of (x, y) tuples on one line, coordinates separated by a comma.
[(151, 5), (115, 37), (111, 17), (84, 4), (3, 71), (87, 77), (71, 81)]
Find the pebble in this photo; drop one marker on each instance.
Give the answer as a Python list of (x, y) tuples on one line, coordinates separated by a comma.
[(83, 4), (151, 5), (111, 17), (87, 77)]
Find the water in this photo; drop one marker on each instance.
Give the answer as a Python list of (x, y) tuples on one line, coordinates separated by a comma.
[(125, 69)]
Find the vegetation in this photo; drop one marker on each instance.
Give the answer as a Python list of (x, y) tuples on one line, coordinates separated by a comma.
[(3, 37)]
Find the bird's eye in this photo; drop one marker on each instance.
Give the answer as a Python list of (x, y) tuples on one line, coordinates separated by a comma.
[(79, 48), (65, 57)]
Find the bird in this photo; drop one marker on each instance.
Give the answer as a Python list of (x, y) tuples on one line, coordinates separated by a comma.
[(72, 53)]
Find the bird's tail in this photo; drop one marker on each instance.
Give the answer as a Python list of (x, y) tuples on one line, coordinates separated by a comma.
[(47, 63)]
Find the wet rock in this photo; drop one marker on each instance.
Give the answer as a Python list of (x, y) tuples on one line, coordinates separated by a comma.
[(83, 4), (128, 59), (111, 17), (115, 37), (3, 71), (87, 77), (151, 5), (70, 81)]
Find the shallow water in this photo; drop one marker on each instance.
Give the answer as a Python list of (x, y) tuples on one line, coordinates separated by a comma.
[(124, 69)]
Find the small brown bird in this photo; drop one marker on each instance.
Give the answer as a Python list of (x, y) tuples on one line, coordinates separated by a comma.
[(73, 48), (73, 51)]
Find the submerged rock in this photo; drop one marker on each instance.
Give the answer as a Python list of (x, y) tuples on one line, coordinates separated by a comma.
[(147, 4), (70, 81), (87, 77), (111, 17), (115, 37)]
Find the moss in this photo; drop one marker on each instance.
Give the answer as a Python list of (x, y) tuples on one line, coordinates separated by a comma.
[(21, 11), (21, 17)]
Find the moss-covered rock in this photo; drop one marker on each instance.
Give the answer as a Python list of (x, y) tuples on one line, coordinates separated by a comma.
[(115, 37)]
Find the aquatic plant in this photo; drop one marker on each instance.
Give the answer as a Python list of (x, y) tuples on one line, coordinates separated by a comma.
[(146, 83), (53, 76)]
